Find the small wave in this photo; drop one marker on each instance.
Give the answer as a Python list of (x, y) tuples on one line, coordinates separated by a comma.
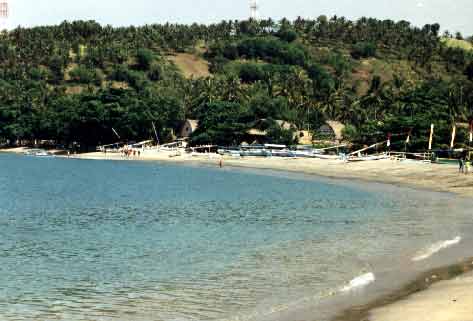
[(435, 248), (359, 282)]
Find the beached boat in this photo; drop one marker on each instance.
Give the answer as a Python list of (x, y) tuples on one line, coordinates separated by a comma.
[(367, 158), (278, 150), (306, 153), (38, 153), (325, 156), (254, 150)]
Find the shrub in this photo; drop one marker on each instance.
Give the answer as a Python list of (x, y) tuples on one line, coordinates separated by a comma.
[(144, 59), (363, 50)]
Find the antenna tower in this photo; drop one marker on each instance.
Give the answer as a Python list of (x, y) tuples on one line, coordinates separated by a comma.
[(4, 14), (254, 9)]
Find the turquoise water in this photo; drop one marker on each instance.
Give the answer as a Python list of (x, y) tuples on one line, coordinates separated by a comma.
[(105, 240)]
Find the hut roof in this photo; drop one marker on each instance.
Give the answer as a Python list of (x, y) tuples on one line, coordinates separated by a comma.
[(284, 124), (194, 124), (256, 132), (337, 128)]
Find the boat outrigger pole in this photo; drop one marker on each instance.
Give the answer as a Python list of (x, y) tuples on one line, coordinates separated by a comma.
[(155, 132), (115, 132), (367, 148)]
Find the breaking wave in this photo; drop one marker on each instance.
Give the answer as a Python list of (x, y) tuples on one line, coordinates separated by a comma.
[(359, 282), (435, 248)]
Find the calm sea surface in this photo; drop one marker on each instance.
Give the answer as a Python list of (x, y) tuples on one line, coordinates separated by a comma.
[(105, 240)]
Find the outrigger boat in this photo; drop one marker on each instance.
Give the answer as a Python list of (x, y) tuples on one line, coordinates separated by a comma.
[(367, 158), (38, 153)]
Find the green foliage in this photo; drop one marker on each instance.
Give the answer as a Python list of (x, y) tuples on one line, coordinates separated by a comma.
[(363, 50), (251, 72), (278, 135), (84, 75), (469, 71), (222, 123), (144, 58), (302, 72), (267, 48), (287, 34), (350, 133)]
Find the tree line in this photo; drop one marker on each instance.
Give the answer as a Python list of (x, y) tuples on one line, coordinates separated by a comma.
[(76, 81)]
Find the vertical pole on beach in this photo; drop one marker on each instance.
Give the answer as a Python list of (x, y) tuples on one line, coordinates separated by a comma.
[(470, 138), (431, 136), (408, 140), (454, 132), (155, 132)]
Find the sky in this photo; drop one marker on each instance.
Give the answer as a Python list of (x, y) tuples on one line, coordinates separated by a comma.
[(453, 15)]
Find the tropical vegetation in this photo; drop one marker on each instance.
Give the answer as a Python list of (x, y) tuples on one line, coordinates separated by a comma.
[(82, 82)]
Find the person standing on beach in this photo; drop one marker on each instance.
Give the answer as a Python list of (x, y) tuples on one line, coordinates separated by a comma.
[(460, 165)]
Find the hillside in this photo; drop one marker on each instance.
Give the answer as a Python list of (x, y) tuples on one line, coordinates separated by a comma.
[(76, 81)]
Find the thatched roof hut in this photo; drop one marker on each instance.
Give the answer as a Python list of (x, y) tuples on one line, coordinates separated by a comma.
[(189, 127), (332, 130)]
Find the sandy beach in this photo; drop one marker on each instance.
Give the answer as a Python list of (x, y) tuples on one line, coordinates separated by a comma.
[(450, 300), (437, 177), (445, 300)]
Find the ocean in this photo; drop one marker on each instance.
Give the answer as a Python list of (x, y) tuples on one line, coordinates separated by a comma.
[(133, 241)]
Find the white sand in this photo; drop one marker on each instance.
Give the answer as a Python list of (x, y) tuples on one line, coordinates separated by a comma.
[(444, 301), (415, 174)]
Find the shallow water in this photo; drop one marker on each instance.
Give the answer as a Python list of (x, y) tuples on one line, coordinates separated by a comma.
[(105, 240)]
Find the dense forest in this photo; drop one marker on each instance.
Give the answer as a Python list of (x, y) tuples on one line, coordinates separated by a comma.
[(76, 81)]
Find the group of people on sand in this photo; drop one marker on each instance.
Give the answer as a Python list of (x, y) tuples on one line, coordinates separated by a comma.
[(129, 152), (464, 165)]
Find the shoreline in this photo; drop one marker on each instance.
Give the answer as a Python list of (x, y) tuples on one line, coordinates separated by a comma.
[(414, 174), (420, 294), (417, 175)]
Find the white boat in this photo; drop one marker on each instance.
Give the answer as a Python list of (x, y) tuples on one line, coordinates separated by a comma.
[(367, 158), (308, 153), (325, 156), (278, 150), (38, 153)]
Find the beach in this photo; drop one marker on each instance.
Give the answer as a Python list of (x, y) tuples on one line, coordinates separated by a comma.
[(444, 297), (450, 300), (436, 177)]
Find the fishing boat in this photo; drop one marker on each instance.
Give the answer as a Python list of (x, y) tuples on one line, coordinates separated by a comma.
[(38, 153), (278, 150), (254, 150), (306, 152), (326, 156), (367, 158)]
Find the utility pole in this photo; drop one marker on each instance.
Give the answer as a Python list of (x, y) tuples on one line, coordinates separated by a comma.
[(4, 14), (254, 9)]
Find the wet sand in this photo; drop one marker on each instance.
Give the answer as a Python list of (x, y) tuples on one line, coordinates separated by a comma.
[(443, 294)]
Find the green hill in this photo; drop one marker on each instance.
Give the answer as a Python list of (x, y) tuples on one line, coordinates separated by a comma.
[(76, 81)]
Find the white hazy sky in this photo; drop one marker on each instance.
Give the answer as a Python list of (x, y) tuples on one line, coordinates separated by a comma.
[(454, 15)]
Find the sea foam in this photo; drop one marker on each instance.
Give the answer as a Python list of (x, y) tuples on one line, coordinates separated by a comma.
[(435, 248), (359, 282)]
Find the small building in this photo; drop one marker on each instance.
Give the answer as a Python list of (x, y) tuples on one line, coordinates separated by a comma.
[(331, 130), (304, 137), (188, 128)]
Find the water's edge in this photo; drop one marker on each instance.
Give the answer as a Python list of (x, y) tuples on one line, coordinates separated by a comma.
[(423, 282), (361, 312)]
